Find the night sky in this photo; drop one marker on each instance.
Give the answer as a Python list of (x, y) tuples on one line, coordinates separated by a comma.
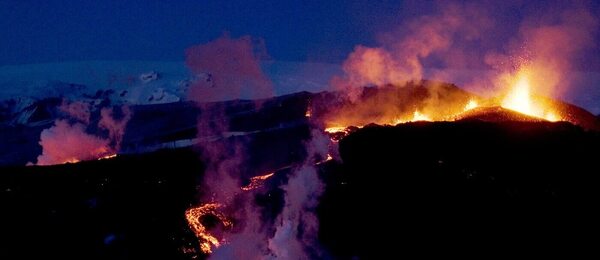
[(161, 129), (317, 31)]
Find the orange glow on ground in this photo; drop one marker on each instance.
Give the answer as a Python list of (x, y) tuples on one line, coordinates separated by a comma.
[(207, 240), (257, 181)]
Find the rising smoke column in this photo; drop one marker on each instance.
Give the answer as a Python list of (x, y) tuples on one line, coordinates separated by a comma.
[(115, 124), (231, 70), (444, 36), (297, 226), (484, 46), (65, 142), (228, 69), (68, 140)]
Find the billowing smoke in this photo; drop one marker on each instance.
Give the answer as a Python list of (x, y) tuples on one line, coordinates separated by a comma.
[(297, 226), (77, 110), (115, 121), (547, 48), (227, 69), (295, 231), (65, 142), (471, 44), (69, 141), (442, 36), (231, 70)]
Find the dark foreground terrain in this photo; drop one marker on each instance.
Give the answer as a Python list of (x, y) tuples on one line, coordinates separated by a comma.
[(425, 188), (437, 188)]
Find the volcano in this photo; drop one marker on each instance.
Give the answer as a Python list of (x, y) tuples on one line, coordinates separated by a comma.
[(487, 173)]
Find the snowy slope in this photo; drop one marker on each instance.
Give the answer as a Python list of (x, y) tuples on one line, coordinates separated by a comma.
[(150, 82), (145, 82), (23, 87)]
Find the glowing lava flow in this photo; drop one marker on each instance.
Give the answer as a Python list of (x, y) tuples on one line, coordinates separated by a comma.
[(519, 99), (257, 181), (102, 157), (417, 116), (328, 158), (108, 156), (194, 216), (336, 129), (73, 160)]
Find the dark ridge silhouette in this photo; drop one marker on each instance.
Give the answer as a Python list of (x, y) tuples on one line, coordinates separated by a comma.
[(430, 187)]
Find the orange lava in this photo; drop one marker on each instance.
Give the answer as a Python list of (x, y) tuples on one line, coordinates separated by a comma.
[(207, 240), (257, 181)]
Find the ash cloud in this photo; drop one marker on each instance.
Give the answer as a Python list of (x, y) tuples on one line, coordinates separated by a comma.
[(115, 122), (227, 69), (65, 142), (549, 46), (297, 226), (231, 70), (481, 46), (69, 141), (442, 37), (486, 37), (77, 110)]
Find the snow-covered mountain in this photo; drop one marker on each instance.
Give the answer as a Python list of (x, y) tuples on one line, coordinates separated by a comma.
[(23, 87), (130, 82)]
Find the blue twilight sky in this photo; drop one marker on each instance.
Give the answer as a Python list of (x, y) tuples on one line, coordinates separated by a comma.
[(41, 31), (53, 30)]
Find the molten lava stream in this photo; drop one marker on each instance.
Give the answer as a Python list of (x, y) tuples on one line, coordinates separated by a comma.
[(195, 215), (108, 156), (194, 218), (257, 181)]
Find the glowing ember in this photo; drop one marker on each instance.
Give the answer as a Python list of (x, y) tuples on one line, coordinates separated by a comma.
[(101, 157), (329, 158), (207, 240), (73, 160), (550, 116), (194, 215), (308, 112), (519, 99), (335, 129), (472, 104), (100, 154), (257, 181), (108, 156), (417, 116), (337, 133)]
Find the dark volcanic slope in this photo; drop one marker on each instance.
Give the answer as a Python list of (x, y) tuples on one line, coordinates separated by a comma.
[(428, 187), (129, 207), (414, 188), (495, 114)]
